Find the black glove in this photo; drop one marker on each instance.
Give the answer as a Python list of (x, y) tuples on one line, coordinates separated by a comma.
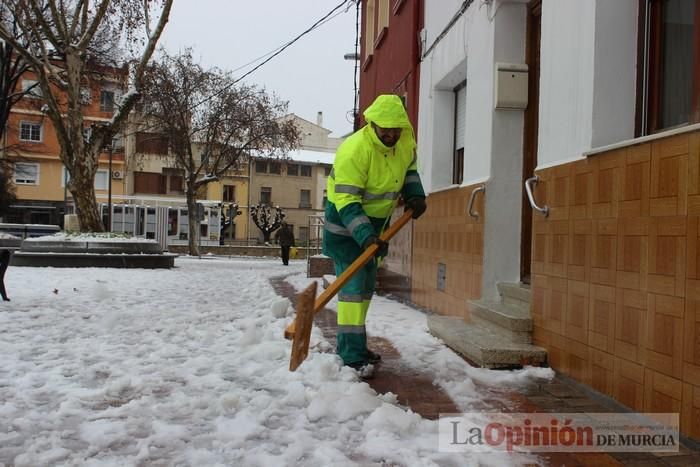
[(383, 247), (418, 206)]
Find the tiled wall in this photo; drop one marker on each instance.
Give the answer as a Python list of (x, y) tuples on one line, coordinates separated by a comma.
[(616, 274), (446, 234)]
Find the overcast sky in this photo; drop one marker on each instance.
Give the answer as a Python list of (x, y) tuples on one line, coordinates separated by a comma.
[(311, 74)]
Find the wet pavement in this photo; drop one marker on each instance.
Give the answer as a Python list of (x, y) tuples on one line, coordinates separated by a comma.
[(417, 392)]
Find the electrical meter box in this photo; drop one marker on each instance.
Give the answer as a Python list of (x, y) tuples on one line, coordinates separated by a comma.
[(511, 86)]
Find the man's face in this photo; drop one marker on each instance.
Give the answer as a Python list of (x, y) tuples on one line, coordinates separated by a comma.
[(388, 136)]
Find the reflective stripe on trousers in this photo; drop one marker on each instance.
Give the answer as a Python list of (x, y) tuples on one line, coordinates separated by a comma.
[(353, 302)]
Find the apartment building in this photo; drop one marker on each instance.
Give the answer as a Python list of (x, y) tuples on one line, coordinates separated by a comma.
[(31, 143), (559, 144), (297, 182)]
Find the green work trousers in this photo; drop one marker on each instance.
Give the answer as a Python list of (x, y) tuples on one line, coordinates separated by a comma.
[(353, 303)]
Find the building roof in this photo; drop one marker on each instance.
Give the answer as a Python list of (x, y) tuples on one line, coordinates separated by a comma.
[(306, 155)]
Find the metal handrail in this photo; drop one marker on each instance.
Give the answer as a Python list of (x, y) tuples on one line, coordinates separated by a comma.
[(528, 189), (470, 206)]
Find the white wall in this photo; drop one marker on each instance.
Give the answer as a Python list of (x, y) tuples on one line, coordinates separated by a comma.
[(504, 190), (566, 80), (493, 138), (615, 72), (588, 76), (445, 68)]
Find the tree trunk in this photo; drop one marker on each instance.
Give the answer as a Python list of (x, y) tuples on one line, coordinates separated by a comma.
[(86, 208), (193, 237)]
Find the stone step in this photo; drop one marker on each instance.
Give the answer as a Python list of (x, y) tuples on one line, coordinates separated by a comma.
[(520, 337), (514, 292), (482, 347), (510, 317)]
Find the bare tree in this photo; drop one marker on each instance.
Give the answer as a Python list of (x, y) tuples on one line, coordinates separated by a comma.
[(67, 41), (267, 218), (7, 189), (212, 123), (12, 67)]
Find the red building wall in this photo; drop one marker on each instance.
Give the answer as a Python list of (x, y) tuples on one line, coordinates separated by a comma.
[(390, 61)]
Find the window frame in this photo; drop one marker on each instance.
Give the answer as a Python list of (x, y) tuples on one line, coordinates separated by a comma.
[(228, 193), (29, 122), (266, 190), (302, 204), (650, 74), (303, 168), (113, 104), (260, 164), (36, 180), (65, 177), (457, 152)]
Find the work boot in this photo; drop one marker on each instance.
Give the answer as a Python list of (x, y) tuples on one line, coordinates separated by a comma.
[(364, 370), (373, 357)]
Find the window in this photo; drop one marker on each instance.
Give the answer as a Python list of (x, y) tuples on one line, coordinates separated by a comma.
[(670, 90), (327, 171), (261, 167), (172, 222), (101, 179), (305, 199), (275, 168), (325, 198), (26, 173), (305, 170), (118, 143), (106, 101), (151, 143), (149, 182), (383, 21), (177, 183), (229, 193), (369, 28), (292, 169), (30, 131), (265, 195), (31, 89), (460, 100)]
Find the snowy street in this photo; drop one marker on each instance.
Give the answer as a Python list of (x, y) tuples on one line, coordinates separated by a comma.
[(121, 367)]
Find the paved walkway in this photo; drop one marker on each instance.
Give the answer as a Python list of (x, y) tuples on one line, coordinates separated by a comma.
[(561, 394)]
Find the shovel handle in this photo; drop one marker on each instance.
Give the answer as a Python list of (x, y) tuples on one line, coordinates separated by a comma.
[(358, 264)]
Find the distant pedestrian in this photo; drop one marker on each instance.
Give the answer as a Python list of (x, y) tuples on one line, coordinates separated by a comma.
[(285, 237), (4, 262)]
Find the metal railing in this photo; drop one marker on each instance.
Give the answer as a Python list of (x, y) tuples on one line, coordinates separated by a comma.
[(528, 189), (472, 197)]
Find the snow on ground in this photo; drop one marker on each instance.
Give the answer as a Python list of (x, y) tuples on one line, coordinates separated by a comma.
[(117, 367)]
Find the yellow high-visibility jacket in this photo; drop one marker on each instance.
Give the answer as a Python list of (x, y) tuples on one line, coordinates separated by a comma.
[(367, 179)]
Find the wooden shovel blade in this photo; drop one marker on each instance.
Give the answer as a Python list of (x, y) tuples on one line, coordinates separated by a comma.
[(304, 322)]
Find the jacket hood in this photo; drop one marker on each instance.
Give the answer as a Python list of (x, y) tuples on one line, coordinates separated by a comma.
[(387, 111)]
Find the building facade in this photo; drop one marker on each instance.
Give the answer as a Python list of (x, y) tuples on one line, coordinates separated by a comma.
[(390, 64), (297, 183), (31, 143), (600, 100)]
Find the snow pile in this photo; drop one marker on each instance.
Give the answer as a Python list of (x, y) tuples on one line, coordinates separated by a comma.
[(104, 237), (189, 367)]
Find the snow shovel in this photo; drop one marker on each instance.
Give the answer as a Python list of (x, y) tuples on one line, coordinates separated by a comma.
[(307, 308)]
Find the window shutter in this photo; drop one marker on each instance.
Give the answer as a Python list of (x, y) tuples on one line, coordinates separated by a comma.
[(460, 117)]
